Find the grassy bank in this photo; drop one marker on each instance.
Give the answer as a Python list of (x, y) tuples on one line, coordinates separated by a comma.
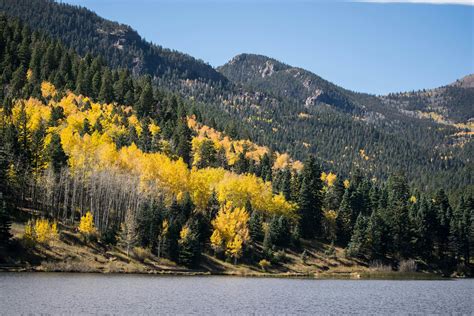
[(70, 253)]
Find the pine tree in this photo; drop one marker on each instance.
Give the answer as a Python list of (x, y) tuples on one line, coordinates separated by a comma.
[(255, 224), (106, 93), (183, 141), (56, 155), (310, 200), (357, 245), (145, 138), (145, 103), (189, 247)]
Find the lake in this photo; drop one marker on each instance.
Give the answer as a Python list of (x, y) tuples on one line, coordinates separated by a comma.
[(62, 293)]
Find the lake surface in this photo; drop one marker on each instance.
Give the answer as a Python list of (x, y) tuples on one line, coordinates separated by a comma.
[(61, 293)]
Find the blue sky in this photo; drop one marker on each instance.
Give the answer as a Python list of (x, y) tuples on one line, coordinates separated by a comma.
[(367, 47)]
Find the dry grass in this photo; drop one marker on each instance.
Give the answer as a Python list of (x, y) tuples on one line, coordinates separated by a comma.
[(407, 266), (378, 266)]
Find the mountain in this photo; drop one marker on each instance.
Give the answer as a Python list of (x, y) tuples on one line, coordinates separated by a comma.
[(414, 131), (120, 45), (266, 74)]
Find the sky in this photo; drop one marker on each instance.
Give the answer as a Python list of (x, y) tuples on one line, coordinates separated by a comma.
[(374, 46)]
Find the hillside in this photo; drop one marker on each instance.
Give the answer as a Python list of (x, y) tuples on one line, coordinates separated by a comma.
[(408, 132), (118, 44)]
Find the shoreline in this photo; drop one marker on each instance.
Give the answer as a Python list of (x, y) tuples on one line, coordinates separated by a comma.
[(309, 276)]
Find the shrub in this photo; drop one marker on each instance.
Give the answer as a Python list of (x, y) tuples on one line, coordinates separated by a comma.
[(40, 230), (264, 264), (141, 254), (86, 225)]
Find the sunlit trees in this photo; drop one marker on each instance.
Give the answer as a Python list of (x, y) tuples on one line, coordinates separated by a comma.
[(86, 225), (41, 230), (230, 230)]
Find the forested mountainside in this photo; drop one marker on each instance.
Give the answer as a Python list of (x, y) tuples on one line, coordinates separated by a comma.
[(118, 44), (426, 132), (451, 104), (285, 108)]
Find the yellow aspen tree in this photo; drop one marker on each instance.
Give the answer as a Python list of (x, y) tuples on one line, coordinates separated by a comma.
[(230, 230), (86, 225)]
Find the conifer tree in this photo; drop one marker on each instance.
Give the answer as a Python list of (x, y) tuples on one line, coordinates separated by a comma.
[(310, 200)]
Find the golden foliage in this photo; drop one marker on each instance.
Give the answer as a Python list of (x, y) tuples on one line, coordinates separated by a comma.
[(346, 183), (48, 90), (41, 230), (328, 178), (159, 173), (86, 225), (264, 264), (230, 230)]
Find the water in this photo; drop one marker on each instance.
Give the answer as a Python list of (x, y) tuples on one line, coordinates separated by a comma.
[(61, 293)]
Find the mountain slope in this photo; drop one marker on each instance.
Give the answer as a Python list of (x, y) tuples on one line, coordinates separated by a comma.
[(267, 74), (285, 108), (118, 44), (348, 129)]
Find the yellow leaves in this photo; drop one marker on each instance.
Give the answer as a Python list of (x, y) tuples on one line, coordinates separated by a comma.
[(329, 224), (29, 74), (363, 155), (282, 161), (184, 233), (328, 178), (41, 230), (96, 151), (346, 183), (412, 199), (36, 112), (216, 240), (240, 188), (29, 233), (264, 264), (86, 225), (202, 183), (235, 247), (48, 90), (164, 227), (154, 129), (133, 121), (230, 230)]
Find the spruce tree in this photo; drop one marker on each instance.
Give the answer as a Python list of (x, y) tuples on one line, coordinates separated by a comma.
[(145, 103), (357, 245), (56, 154), (310, 200)]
